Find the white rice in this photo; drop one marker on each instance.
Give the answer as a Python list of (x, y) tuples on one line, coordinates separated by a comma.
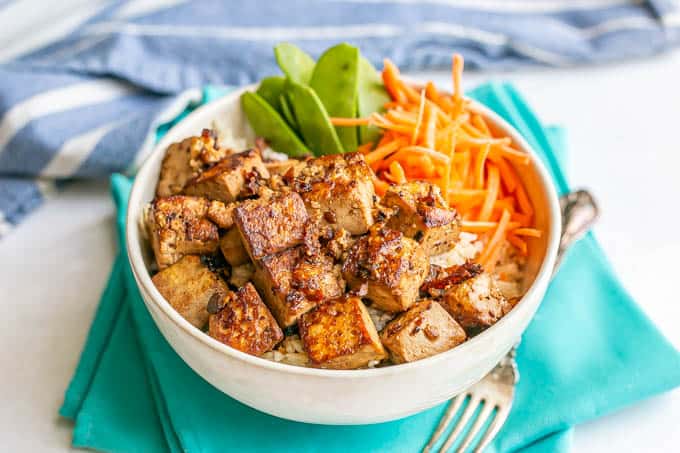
[(290, 351), (465, 250)]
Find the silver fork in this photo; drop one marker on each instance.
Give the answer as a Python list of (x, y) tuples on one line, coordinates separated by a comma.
[(496, 391)]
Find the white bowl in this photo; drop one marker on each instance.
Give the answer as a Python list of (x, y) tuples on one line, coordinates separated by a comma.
[(339, 396)]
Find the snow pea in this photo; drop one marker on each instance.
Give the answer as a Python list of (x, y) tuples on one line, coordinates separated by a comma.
[(267, 123), (287, 111), (270, 89), (335, 81), (314, 123), (295, 63), (372, 97)]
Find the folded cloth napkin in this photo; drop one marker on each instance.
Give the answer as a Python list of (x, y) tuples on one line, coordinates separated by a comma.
[(86, 104), (589, 351)]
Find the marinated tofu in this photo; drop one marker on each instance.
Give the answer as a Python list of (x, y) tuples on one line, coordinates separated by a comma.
[(221, 214), (338, 190), (232, 248), (178, 226), (292, 283), (475, 303), (421, 213), (227, 179), (424, 330), (340, 334), (271, 225), (241, 320), (392, 265), (184, 160), (188, 285)]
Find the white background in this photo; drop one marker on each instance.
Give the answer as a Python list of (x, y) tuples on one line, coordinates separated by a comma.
[(623, 122)]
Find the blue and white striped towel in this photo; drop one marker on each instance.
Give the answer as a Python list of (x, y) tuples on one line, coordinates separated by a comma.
[(86, 104)]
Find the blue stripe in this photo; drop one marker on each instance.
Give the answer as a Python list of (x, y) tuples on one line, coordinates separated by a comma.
[(114, 152), (35, 145), (18, 197)]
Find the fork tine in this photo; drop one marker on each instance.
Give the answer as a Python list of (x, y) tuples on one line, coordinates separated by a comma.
[(482, 418), (464, 419), (495, 426), (451, 412)]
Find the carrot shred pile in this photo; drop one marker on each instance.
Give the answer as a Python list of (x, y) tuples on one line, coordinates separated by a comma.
[(433, 136)]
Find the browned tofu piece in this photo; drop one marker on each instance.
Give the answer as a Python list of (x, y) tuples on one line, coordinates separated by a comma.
[(241, 320), (225, 180), (476, 303), (421, 213), (178, 226), (424, 330), (188, 285), (221, 214), (232, 248), (340, 334), (293, 283), (271, 225), (184, 160), (392, 265), (338, 189)]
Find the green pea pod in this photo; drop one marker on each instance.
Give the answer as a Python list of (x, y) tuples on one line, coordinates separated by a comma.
[(315, 126), (287, 112), (270, 90), (294, 62), (372, 98), (267, 123), (335, 80)]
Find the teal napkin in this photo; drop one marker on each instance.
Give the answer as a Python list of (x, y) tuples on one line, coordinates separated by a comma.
[(589, 351)]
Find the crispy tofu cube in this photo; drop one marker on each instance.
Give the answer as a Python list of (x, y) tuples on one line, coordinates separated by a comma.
[(392, 265), (241, 320), (422, 214), (188, 285), (424, 330), (221, 214), (293, 283), (476, 303), (340, 334), (178, 226), (271, 225), (232, 248), (338, 190), (225, 180), (184, 160)]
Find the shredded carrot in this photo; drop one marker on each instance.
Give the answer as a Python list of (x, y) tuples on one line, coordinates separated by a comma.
[(366, 147), (397, 172), (350, 121), (433, 136), (457, 72), (523, 201), (488, 256), (529, 232), (491, 193), (508, 176), (419, 121), (521, 219), (479, 166), (382, 151), (520, 244), (390, 76), (430, 130), (480, 124), (434, 154), (380, 186)]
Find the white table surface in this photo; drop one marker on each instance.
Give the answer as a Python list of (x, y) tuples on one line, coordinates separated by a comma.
[(623, 121)]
